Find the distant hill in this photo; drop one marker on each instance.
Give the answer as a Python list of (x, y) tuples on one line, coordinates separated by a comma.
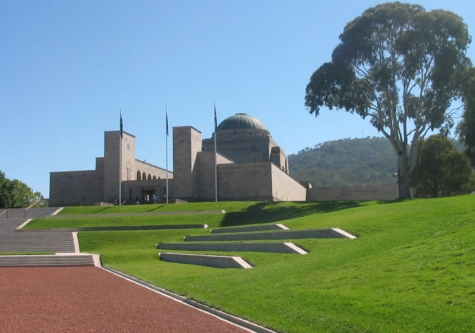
[(345, 162)]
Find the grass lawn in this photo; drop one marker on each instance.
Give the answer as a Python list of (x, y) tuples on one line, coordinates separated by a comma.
[(412, 268)]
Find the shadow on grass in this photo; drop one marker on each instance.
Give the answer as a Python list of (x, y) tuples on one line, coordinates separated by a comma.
[(100, 210), (266, 212), (385, 202), (154, 208)]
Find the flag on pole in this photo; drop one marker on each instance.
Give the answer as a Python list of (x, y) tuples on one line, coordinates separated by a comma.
[(215, 120), (166, 119), (215, 156), (121, 126)]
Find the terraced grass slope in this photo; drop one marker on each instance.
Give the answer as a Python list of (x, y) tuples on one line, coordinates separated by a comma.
[(412, 268)]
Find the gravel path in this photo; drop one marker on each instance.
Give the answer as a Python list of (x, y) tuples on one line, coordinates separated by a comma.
[(91, 299)]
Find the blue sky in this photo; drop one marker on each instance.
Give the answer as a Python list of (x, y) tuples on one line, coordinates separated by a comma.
[(68, 67)]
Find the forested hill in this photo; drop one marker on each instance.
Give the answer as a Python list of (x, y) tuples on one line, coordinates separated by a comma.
[(345, 162)]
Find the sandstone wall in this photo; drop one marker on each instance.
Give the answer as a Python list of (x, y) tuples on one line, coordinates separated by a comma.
[(370, 192), (206, 175), (73, 188), (257, 181), (285, 188), (148, 171), (245, 181)]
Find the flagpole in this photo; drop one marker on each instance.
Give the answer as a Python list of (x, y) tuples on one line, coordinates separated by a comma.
[(120, 158), (166, 149), (215, 157)]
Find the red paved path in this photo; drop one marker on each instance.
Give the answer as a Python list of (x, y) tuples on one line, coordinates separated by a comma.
[(91, 299)]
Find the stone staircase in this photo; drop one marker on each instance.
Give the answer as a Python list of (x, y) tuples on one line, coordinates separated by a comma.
[(18, 241), (31, 241)]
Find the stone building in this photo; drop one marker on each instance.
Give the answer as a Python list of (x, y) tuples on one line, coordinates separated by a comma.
[(250, 166), (138, 179)]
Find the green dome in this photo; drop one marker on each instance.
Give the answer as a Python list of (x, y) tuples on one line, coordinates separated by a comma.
[(241, 121)]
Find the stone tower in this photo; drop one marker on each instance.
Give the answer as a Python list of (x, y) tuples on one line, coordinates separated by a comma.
[(116, 159), (186, 145)]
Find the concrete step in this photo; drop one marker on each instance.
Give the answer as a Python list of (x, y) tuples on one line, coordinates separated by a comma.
[(205, 260), (234, 247), (270, 235), (47, 260)]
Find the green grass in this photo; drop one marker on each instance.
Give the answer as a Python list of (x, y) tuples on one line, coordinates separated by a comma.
[(102, 221), (154, 208), (412, 268), (237, 213)]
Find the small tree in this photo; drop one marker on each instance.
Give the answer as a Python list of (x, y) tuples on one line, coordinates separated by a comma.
[(441, 169), (399, 66), (16, 194)]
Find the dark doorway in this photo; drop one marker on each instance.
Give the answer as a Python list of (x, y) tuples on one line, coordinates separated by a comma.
[(147, 196)]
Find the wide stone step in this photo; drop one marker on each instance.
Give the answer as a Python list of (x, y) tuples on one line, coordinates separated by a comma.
[(32, 242), (234, 247), (47, 260), (287, 234), (9, 225), (37, 248)]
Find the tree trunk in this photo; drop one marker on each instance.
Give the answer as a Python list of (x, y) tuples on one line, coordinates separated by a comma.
[(404, 177), (435, 189), (404, 188)]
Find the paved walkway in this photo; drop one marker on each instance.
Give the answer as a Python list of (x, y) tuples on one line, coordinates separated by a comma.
[(91, 299)]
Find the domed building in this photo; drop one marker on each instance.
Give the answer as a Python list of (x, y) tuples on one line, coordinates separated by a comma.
[(243, 139), (250, 165)]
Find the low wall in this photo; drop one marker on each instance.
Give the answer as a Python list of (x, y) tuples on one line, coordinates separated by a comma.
[(234, 247), (205, 260), (269, 235), (368, 192)]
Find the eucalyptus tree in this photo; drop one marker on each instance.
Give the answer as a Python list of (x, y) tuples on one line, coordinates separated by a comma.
[(399, 66)]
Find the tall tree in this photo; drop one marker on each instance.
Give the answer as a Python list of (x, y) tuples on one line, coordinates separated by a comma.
[(399, 66), (441, 169)]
